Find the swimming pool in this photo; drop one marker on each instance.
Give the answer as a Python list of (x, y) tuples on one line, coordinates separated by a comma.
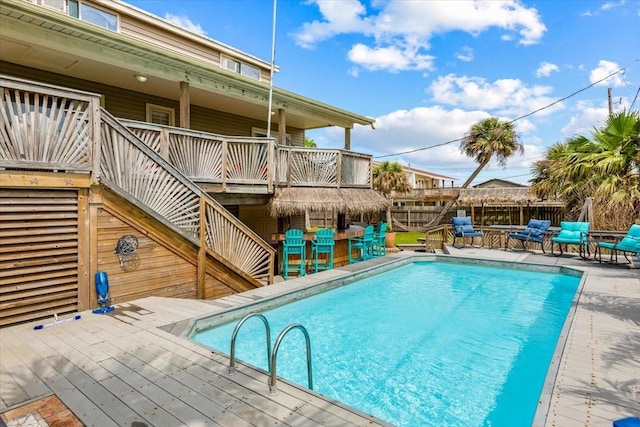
[(429, 343)]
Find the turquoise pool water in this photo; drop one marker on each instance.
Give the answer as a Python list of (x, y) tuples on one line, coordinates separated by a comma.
[(426, 344)]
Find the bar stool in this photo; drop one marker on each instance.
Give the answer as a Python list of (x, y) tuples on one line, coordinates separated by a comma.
[(323, 244), (379, 240), (364, 245), (294, 244)]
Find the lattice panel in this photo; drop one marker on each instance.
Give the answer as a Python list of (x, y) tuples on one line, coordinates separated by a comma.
[(236, 245), (40, 128), (355, 170), (131, 169), (197, 158), (247, 161), (314, 167), (151, 137)]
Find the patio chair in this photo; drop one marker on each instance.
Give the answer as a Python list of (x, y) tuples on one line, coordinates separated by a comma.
[(463, 229), (323, 244), (627, 244), (364, 246), (573, 233), (380, 240), (536, 231), (294, 244)]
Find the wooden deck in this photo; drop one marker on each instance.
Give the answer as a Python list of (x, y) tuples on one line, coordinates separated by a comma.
[(119, 369), (128, 369)]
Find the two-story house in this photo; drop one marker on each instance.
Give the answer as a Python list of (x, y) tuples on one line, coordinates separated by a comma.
[(132, 146)]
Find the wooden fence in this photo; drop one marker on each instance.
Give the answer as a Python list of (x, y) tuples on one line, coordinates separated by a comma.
[(417, 218)]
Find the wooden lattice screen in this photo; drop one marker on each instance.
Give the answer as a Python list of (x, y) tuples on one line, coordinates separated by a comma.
[(38, 254)]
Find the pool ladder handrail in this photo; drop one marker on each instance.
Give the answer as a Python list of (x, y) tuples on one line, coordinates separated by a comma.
[(272, 378), (271, 357), (232, 351)]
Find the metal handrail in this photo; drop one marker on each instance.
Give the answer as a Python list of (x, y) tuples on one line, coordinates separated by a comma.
[(272, 379), (232, 352)]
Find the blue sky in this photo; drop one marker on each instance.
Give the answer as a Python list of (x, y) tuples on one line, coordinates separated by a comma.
[(427, 70)]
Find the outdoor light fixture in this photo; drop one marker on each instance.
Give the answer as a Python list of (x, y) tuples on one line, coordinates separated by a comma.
[(141, 78)]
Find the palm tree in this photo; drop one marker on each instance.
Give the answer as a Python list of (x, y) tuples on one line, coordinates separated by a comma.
[(605, 166), (389, 177), (486, 138)]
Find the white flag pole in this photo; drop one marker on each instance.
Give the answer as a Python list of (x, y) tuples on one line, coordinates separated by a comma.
[(273, 61)]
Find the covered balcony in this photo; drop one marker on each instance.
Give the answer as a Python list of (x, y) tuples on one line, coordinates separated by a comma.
[(223, 164)]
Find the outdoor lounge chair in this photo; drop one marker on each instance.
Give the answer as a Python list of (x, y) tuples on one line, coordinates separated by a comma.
[(628, 244), (536, 231), (463, 229), (573, 233)]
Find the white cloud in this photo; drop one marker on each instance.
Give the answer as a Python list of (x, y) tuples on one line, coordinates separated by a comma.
[(545, 69), (389, 58), (508, 97), (404, 29), (604, 69), (185, 23), (606, 6), (347, 16), (465, 54), (587, 118)]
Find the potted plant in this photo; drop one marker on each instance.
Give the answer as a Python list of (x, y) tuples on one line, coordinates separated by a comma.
[(389, 178)]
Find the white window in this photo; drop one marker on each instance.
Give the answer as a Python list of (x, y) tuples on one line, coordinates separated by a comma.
[(83, 11), (250, 71), (231, 65), (98, 17), (240, 68), (60, 5), (161, 115)]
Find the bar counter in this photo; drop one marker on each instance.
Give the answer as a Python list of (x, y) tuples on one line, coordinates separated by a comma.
[(340, 250)]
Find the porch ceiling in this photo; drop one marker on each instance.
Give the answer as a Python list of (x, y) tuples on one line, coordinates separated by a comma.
[(35, 37)]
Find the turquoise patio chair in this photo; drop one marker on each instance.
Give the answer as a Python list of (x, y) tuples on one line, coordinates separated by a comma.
[(380, 240), (536, 231), (322, 245), (628, 244), (573, 233), (364, 246), (294, 244), (463, 229)]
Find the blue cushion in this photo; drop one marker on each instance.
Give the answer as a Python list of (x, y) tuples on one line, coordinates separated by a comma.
[(629, 244), (627, 422), (461, 220), (572, 232)]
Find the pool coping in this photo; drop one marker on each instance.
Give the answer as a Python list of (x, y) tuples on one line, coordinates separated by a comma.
[(302, 287)]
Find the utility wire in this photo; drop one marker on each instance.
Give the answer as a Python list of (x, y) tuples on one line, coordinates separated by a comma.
[(517, 118), (634, 99)]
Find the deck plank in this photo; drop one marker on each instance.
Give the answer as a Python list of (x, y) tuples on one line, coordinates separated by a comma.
[(19, 382)]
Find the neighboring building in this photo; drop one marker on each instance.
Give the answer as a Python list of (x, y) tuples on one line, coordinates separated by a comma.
[(428, 188), (117, 123), (498, 183)]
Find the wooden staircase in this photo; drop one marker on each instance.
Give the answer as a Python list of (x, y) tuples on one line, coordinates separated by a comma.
[(73, 181)]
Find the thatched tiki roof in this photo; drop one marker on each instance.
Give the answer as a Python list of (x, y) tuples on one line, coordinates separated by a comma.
[(297, 200), (478, 196)]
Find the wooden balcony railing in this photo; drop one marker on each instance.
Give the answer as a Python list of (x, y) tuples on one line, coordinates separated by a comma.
[(54, 129), (216, 159), (299, 166)]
